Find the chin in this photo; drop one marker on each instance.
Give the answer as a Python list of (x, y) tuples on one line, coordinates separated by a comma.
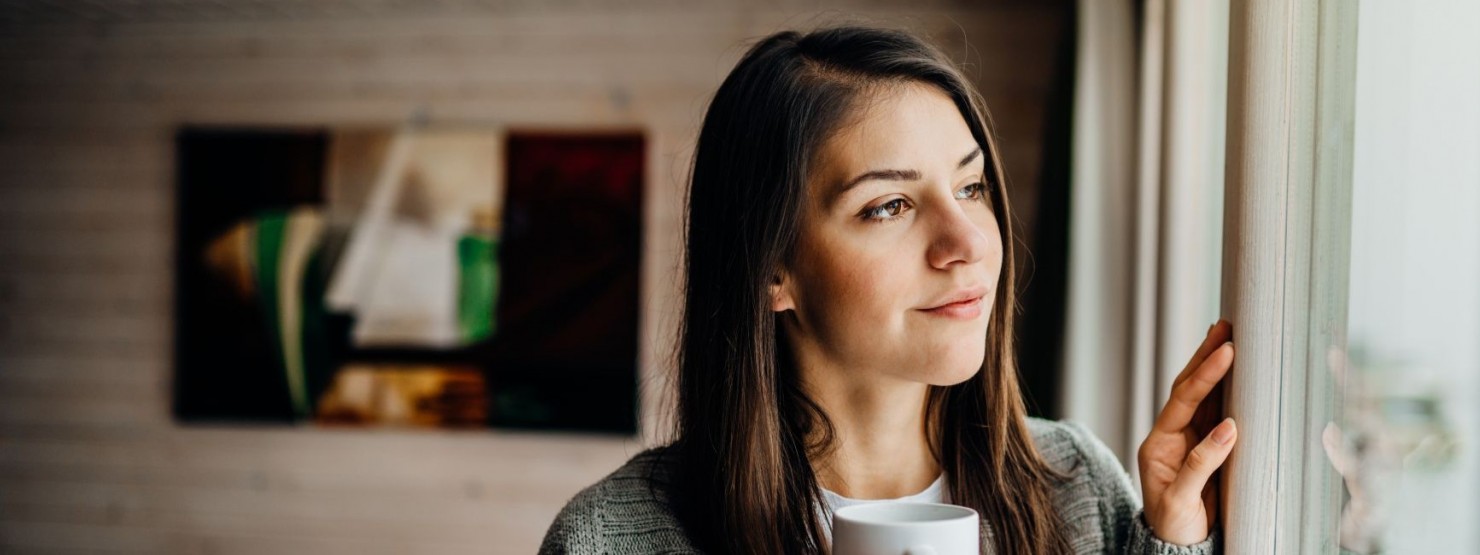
[(957, 370)]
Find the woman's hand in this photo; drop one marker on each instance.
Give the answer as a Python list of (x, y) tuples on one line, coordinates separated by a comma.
[(1187, 444)]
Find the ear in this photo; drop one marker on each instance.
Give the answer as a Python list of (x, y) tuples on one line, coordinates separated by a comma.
[(782, 297)]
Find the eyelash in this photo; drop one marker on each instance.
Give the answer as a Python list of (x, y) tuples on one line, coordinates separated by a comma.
[(870, 214)]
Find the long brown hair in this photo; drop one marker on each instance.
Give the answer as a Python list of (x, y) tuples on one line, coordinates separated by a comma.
[(744, 483)]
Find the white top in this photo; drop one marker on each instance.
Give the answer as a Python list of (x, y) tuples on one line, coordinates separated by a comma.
[(934, 493)]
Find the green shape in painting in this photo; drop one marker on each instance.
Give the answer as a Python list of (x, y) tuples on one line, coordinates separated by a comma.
[(477, 286)]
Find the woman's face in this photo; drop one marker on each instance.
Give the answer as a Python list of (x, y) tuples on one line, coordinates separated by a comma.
[(898, 222)]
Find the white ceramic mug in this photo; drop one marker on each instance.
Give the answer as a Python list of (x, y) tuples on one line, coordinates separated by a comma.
[(905, 528)]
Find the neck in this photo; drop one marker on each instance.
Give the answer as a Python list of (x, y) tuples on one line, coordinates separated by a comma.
[(880, 450)]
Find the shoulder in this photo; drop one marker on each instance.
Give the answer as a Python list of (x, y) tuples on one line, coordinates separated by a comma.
[(1070, 447), (625, 512), (1074, 451), (1094, 495)]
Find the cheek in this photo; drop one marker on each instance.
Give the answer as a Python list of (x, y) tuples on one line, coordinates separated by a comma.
[(851, 297), (854, 285)]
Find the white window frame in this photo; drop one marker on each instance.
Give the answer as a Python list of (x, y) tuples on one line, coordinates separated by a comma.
[(1287, 216)]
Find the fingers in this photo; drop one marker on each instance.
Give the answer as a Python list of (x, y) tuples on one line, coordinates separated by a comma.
[(1219, 333), (1190, 391), (1202, 461), (1210, 503)]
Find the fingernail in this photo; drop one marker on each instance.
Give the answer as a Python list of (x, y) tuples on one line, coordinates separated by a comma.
[(1224, 432)]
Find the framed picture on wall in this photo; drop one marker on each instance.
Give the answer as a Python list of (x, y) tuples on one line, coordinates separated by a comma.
[(438, 277)]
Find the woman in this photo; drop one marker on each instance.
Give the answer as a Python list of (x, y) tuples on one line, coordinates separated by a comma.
[(847, 334)]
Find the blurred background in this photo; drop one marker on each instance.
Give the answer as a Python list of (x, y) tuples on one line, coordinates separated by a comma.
[(387, 276)]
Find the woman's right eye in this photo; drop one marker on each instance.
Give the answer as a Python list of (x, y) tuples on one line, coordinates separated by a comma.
[(885, 212)]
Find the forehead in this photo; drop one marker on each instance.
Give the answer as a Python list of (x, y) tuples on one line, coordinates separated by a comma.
[(912, 126)]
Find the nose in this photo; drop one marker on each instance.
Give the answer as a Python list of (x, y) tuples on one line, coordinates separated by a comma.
[(956, 239)]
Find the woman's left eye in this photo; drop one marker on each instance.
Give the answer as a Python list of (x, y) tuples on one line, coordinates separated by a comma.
[(885, 212), (974, 191)]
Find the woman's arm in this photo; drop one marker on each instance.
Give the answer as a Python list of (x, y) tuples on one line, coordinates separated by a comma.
[(1123, 525)]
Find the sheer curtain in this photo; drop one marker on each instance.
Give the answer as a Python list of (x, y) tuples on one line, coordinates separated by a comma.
[(1145, 207)]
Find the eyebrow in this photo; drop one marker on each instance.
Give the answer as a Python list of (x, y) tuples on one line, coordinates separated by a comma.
[(895, 175)]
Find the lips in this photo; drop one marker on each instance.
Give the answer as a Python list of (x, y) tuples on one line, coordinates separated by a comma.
[(963, 304), (961, 296)]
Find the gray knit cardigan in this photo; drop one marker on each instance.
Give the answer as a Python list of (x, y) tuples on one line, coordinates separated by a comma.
[(622, 514)]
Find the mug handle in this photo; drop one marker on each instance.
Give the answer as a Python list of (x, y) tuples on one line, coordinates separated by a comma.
[(920, 550)]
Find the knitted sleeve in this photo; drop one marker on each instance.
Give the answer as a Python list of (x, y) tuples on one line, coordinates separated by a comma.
[(625, 513), (577, 530), (1124, 526)]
